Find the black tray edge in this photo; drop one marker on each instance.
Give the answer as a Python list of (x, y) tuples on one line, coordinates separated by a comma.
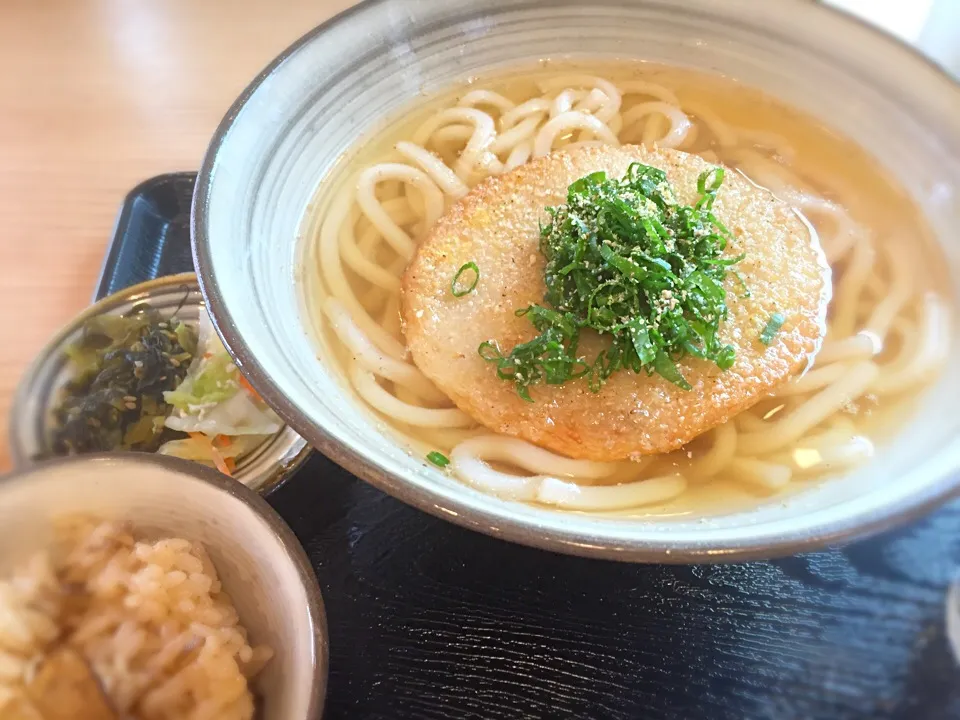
[(110, 258)]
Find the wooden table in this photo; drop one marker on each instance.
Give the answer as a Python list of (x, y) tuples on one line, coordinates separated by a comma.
[(96, 95)]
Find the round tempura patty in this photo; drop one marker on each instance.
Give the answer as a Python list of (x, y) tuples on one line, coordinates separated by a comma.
[(497, 226)]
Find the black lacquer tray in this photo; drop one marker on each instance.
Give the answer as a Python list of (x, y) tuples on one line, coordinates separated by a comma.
[(428, 620)]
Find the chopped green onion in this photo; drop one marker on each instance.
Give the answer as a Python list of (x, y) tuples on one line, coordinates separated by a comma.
[(726, 356), (773, 326), (457, 289), (666, 368), (742, 283), (624, 258), (489, 351), (438, 459), (707, 185)]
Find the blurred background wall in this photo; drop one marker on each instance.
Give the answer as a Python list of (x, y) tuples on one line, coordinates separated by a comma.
[(931, 25)]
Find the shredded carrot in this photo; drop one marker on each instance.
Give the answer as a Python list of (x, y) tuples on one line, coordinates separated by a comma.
[(245, 384), (221, 464), (218, 459), (230, 463), (222, 441)]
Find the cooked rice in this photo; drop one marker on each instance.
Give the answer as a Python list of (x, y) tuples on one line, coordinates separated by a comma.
[(149, 618)]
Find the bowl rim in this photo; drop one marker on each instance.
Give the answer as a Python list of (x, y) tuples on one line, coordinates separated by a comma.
[(295, 451), (291, 548), (462, 510)]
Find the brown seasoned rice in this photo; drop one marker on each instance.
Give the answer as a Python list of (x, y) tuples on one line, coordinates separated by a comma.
[(149, 618)]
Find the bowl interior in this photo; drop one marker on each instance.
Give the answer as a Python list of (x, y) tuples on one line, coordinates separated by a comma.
[(261, 565), (298, 118)]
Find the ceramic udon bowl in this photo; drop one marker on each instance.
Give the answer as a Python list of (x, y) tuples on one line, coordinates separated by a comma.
[(263, 568), (342, 80)]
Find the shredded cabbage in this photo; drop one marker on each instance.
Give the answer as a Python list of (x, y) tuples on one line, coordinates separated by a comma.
[(213, 400), (214, 381), (198, 450)]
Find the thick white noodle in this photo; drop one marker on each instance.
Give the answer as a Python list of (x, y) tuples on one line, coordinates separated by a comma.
[(401, 242), (483, 134), (766, 173), (470, 462), (534, 459), (821, 376), (721, 452), (370, 358), (722, 132), (509, 139), (537, 107), (846, 297), (361, 264), (332, 272), (894, 296), (598, 104), (749, 421), (616, 124), (367, 387), (861, 346), (813, 411), (679, 122), (390, 316), (563, 102), (766, 475), (834, 450), (450, 134), (488, 98), (644, 87), (445, 178), (519, 155), (584, 81), (474, 471), (926, 356), (398, 208), (572, 496), (567, 122)]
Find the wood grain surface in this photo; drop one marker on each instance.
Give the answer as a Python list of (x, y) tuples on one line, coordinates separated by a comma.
[(429, 621), (95, 96)]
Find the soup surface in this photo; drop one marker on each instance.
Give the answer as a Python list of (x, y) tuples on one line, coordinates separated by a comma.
[(887, 322)]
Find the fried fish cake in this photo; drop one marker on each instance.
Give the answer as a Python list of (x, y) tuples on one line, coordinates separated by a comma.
[(497, 226)]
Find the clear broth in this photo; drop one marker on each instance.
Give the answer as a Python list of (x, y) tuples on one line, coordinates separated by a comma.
[(832, 166)]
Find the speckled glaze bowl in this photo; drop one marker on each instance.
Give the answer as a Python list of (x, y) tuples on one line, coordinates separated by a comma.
[(263, 469), (295, 120), (263, 568)]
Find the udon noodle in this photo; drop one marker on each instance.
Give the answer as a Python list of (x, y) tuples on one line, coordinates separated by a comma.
[(887, 333)]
